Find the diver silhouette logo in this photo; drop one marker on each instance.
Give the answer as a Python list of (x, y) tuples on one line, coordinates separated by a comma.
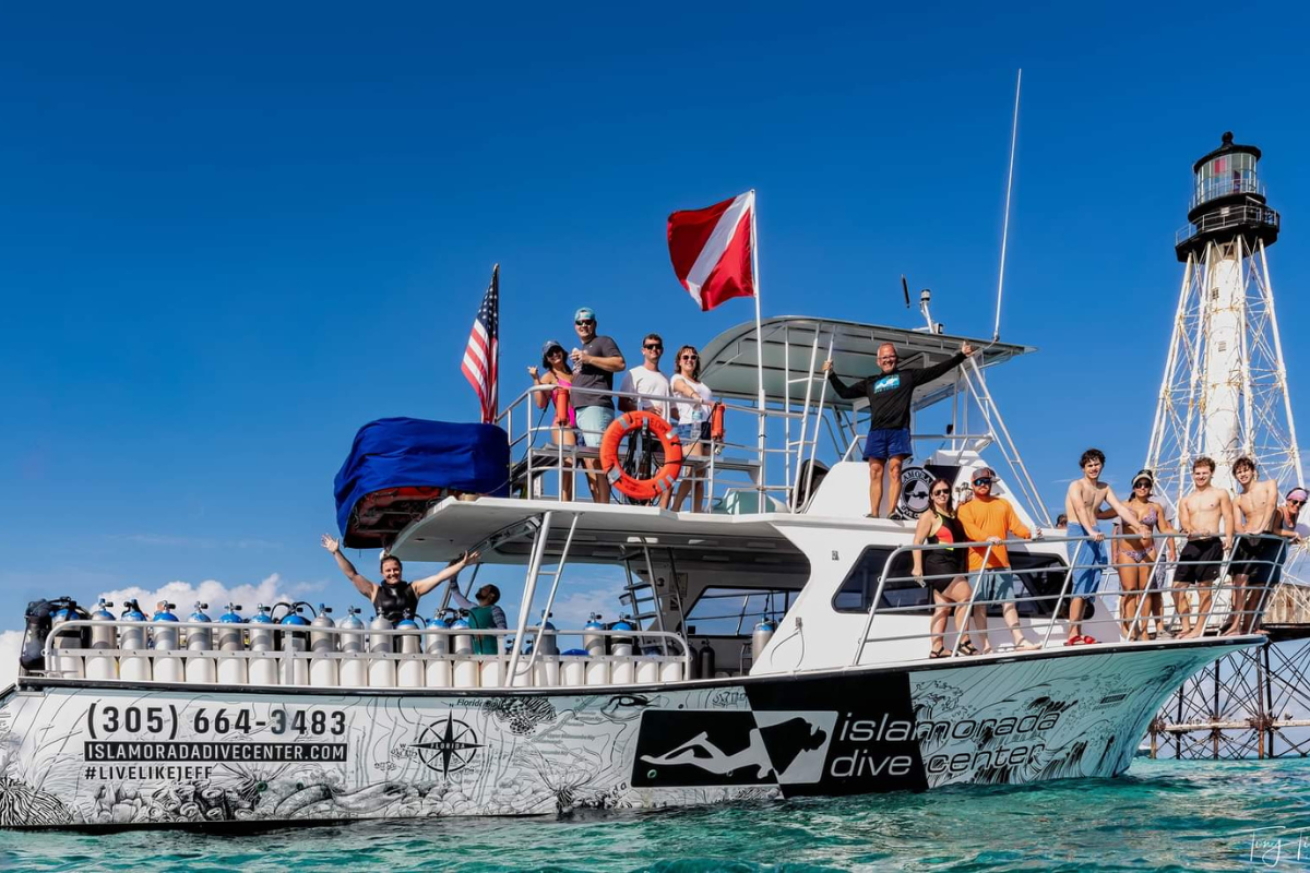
[(732, 748)]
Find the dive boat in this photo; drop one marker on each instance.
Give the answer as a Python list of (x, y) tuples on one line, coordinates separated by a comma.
[(774, 645)]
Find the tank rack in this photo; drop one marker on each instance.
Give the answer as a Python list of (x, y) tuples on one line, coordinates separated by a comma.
[(256, 654)]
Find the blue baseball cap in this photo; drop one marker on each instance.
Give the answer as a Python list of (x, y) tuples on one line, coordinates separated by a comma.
[(585, 313)]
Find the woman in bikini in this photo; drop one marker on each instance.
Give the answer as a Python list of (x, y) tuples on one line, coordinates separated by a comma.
[(554, 360), (943, 570), (1136, 563)]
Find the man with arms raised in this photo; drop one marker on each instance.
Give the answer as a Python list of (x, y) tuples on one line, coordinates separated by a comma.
[(890, 394), (1199, 517), (1255, 558), (594, 366), (1082, 503)]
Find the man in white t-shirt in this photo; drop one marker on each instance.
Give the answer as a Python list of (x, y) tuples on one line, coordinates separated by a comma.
[(647, 379)]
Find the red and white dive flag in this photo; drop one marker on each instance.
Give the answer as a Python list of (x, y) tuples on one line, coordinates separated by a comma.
[(482, 354), (711, 250)]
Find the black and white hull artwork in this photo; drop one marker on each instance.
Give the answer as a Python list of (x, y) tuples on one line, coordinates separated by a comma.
[(84, 754)]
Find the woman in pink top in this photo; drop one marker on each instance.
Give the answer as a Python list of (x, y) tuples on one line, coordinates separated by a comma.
[(555, 362)]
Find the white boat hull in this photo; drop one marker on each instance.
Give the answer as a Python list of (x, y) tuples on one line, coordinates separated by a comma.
[(81, 753)]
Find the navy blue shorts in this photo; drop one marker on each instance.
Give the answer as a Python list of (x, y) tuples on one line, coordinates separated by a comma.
[(884, 443)]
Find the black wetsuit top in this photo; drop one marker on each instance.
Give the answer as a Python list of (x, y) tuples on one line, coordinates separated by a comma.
[(391, 601), (939, 562), (890, 394)]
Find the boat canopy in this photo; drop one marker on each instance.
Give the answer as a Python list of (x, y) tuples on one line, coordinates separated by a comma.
[(401, 455), (729, 361)]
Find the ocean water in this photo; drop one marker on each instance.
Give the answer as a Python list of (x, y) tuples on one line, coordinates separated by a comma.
[(1164, 815)]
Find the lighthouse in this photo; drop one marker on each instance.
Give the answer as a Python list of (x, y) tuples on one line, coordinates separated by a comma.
[(1224, 391)]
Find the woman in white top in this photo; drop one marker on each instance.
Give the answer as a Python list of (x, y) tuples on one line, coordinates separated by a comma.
[(693, 415)]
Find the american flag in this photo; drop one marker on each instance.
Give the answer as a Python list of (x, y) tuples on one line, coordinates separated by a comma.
[(482, 354)]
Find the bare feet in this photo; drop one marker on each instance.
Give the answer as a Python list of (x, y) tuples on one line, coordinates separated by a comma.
[(1026, 646)]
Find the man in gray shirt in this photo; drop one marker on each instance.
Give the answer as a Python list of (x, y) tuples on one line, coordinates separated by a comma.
[(594, 366)]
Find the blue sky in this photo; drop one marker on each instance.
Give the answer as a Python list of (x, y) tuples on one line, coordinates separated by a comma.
[(230, 237)]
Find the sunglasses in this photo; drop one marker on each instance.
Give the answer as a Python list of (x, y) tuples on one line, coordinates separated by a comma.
[(1146, 485), (941, 491), (1296, 503), (691, 357), (586, 321), (654, 347), (985, 480)]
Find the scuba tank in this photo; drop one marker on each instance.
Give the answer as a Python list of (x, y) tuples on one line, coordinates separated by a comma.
[(322, 670), (594, 643), (547, 644), (295, 670), (167, 636), (200, 639), (354, 670), (409, 673), (439, 670), (104, 635), (760, 638), (381, 671), (232, 671), (69, 666), (598, 669), (623, 672), (705, 660), (133, 668), (466, 670), (263, 668)]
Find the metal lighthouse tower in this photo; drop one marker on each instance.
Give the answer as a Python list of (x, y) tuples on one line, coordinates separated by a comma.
[(1224, 392)]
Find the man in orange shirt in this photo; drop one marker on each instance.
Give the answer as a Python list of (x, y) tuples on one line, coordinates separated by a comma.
[(992, 519)]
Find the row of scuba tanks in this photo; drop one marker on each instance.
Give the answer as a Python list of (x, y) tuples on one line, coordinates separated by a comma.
[(605, 658)]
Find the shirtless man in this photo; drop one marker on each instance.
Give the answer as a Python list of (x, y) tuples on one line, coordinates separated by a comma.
[(1199, 517), (1254, 559), (1082, 503)]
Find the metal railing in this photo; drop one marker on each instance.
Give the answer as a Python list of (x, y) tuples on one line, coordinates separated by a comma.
[(1232, 216), (1047, 609), (61, 658), (1218, 186), (536, 452)]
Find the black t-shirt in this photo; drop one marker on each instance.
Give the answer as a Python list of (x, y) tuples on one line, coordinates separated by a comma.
[(594, 377), (890, 394)]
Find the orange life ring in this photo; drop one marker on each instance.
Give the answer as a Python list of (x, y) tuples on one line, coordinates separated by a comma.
[(640, 489)]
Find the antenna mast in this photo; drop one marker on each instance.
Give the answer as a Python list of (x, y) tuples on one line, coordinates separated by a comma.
[(1009, 186)]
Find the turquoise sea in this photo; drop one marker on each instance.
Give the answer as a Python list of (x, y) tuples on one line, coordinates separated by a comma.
[(1165, 815)]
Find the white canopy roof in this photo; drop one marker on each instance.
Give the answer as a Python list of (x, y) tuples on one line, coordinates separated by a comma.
[(729, 360)]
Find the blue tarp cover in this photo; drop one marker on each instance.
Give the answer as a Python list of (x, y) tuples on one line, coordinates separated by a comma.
[(399, 452)]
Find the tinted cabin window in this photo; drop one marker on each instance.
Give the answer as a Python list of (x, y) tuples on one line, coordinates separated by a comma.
[(1037, 575), (735, 611), (900, 591)]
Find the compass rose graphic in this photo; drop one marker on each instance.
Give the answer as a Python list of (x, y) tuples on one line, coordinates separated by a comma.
[(447, 746)]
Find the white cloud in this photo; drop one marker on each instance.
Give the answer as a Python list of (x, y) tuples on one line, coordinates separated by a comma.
[(572, 609), (268, 591), (11, 642)]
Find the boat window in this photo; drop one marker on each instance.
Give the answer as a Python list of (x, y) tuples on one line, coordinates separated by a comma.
[(1038, 576), (735, 611), (899, 592)]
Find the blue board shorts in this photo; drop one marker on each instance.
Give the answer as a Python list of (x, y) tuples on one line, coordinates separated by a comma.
[(1087, 581), (995, 585), (887, 442), (592, 421)]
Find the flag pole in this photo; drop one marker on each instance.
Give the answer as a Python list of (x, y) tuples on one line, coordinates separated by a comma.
[(759, 355)]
